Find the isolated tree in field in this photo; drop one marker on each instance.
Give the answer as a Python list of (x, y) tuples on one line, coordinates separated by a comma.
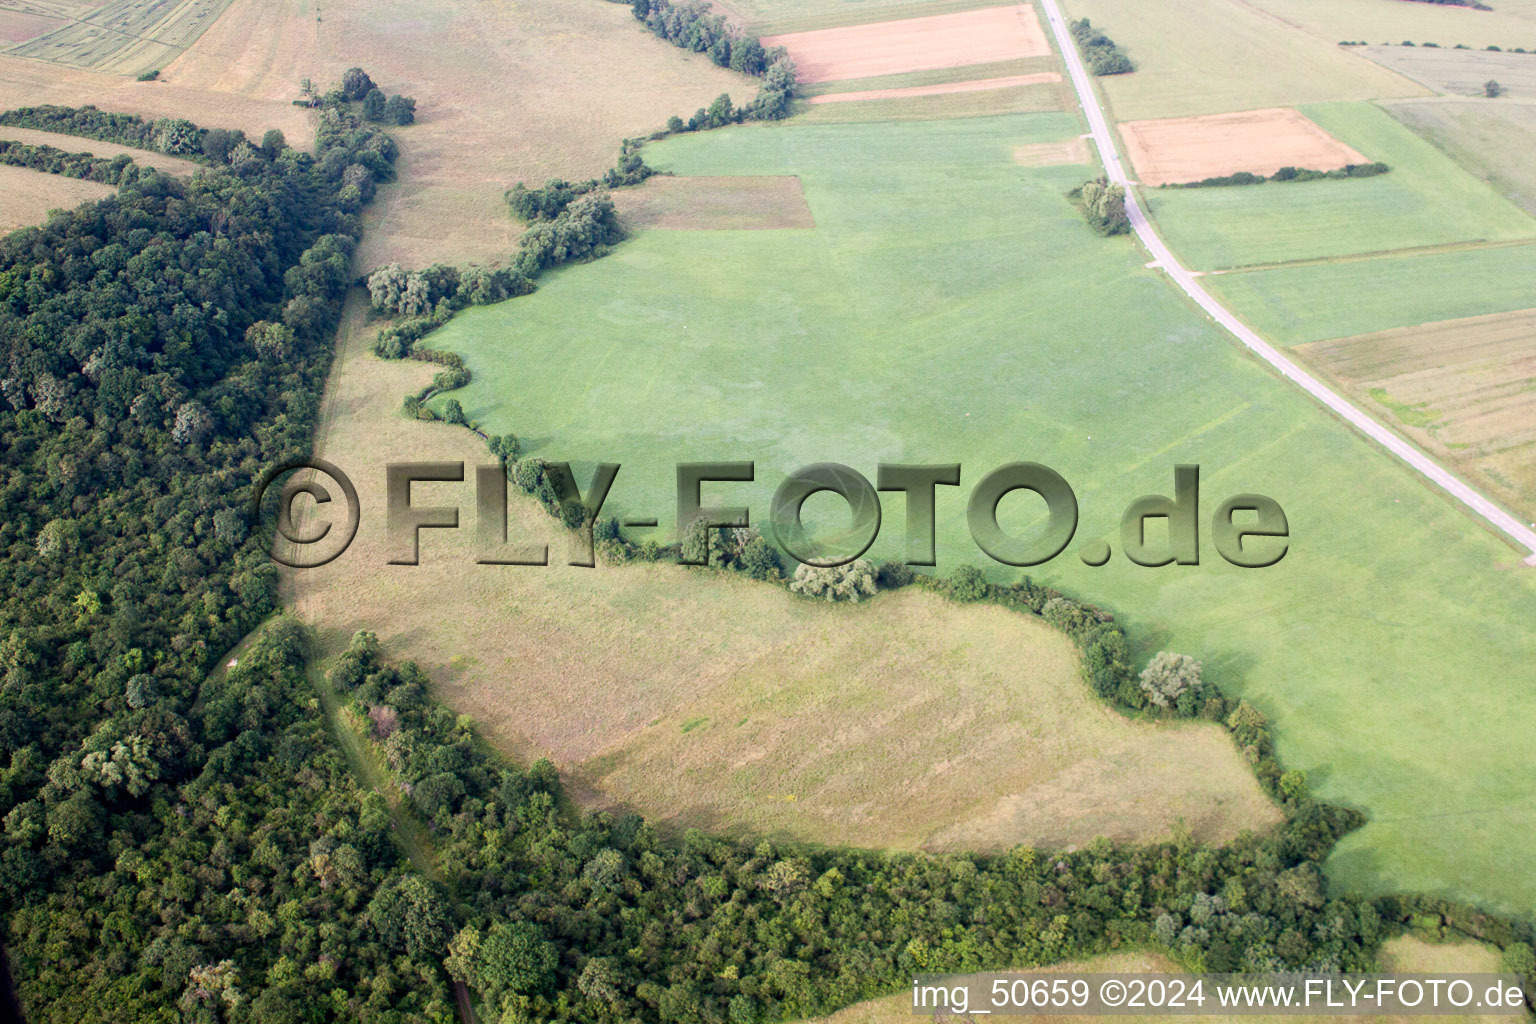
[(273, 143), (355, 84), (1492, 89), (373, 105), (1169, 676)]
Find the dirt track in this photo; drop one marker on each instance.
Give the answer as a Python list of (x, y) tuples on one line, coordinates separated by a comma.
[(916, 44)]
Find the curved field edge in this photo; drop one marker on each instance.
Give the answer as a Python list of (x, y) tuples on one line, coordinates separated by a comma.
[(709, 701), (939, 261)]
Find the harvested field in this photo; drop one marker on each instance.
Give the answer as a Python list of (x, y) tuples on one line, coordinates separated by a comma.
[(706, 699), (943, 89), (522, 91), (1461, 72), (26, 82), (1049, 154), (703, 203), (1464, 389), (26, 195), (19, 26), (75, 144), (124, 36), (916, 44), (1183, 149), (1493, 140)]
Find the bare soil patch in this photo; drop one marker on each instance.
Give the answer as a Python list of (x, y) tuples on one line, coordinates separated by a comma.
[(26, 195), (980, 85), (1464, 389), (668, 203), (75, 144), (704, 699), (1183, 149), (916, 44), (1049, 154)]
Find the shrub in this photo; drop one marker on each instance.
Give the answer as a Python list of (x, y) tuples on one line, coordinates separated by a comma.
[(894, 575), (837, 583), (1168, 676), (1492, 89), (966, 583), (355, 84)]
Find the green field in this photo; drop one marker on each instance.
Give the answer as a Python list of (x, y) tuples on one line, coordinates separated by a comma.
[(1493, 140), (1337, 299), (1214, 56), (1426, 199), (950, 306)]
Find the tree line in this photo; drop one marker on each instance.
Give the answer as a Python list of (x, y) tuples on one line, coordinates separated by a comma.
[(1370, 170), (117, 170)]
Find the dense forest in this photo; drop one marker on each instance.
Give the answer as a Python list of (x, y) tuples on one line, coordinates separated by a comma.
[(183, 839)]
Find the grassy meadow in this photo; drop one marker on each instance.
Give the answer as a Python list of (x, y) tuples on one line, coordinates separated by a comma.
[(950, 305), (721, 703), (1426, 199), (1339, 298)]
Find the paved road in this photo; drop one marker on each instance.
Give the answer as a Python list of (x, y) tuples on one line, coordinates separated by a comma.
[(1505, 523)]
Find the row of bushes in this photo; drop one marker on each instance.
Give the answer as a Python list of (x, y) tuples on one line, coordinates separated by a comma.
[(692, 27), (1370, 170), (546, 203), (172, 136), (1100, 51), (1435, 46), (118, 170)]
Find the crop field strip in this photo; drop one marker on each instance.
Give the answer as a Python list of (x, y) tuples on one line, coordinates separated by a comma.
[(1492, 140), (915, 44), (1461, 72), (125, 36), (1463, 389)]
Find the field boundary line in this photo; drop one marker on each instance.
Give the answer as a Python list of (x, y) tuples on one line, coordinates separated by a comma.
[(1104, 141), (1471, 245)]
